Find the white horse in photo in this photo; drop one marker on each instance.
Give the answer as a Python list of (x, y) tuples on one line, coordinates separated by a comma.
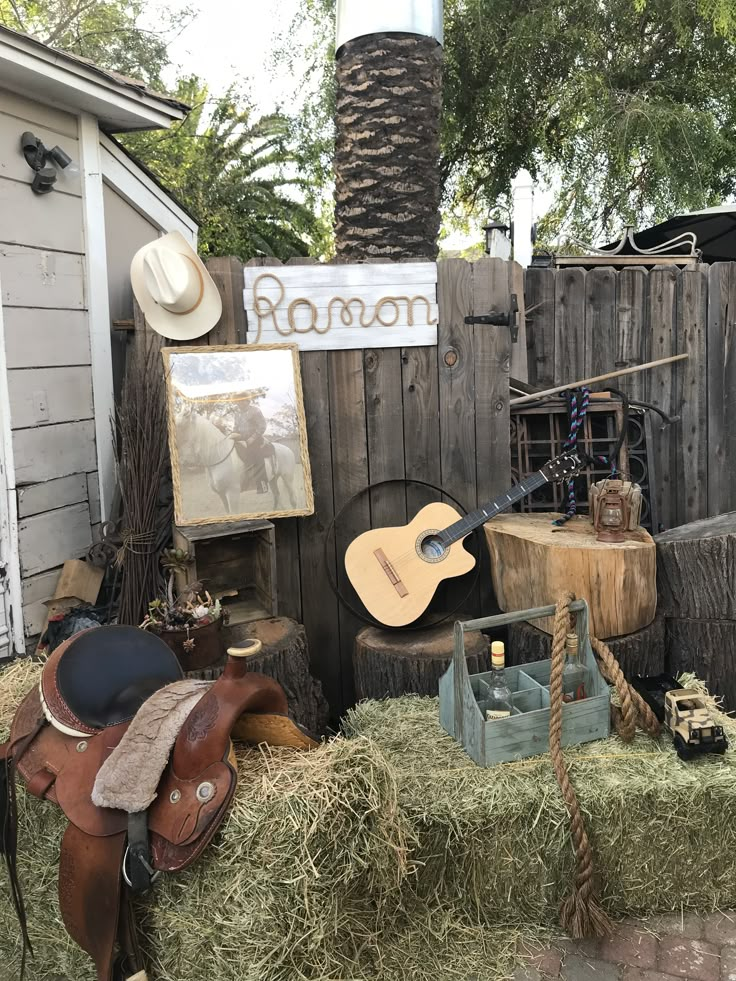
[(203, 446)]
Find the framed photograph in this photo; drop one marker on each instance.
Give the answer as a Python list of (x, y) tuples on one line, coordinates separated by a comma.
[(237, 433)]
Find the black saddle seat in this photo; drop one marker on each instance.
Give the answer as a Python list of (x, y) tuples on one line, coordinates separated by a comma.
[(106, 674)]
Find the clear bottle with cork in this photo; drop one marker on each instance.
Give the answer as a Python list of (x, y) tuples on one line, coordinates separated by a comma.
[(497, 704), (575, 673)]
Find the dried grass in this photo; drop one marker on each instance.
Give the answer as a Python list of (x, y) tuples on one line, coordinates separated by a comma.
[(388, 854)]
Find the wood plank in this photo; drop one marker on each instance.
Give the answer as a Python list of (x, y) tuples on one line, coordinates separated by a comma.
[(288, 579), (691, 472), (622, 260), (59, 493), (720, 475), (54, 451), (729, 386), (320, 612), (350, 475), (633, 336), (569, 325), (520, 349), (45, 339), (46, 540), (13, 164), (36, 590), (662, 302), (93, 496), (492, 353), (44, 396), (342, 338), (348, 275), (420, 396), (385, 434), (600, 321), (37, 114), (457, 382), (39, 278), (539, 296), (227, 275), (44, 221)]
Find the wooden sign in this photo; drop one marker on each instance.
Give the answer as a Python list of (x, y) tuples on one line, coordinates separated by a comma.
[(340, 307)]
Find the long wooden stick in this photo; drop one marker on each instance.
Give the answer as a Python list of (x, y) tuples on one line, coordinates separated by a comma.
[(598, 378)]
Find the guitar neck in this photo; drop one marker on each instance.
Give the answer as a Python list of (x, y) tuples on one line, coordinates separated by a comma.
[(460, 529)]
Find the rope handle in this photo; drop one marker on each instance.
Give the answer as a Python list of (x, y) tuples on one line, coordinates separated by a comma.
[(253, 647)]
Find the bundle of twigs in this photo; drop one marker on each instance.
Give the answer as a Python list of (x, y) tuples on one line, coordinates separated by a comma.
[(143, 473)]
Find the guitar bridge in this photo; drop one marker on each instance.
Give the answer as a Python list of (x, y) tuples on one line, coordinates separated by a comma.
[(393, 576)]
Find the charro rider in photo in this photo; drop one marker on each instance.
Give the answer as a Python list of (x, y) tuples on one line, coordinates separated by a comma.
[(253, 447)]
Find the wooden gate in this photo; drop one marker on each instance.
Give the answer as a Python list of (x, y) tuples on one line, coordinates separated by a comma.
[(438, 414)]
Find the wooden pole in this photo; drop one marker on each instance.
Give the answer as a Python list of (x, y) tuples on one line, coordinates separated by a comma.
[(598, 378)]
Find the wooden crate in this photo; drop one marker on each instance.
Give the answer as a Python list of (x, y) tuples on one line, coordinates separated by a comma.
[(238, 556), (526, 733)]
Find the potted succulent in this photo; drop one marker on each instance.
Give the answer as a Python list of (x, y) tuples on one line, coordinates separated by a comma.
[(189, 623)]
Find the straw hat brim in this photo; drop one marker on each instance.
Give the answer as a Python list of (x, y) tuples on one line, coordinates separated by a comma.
[(176, 326)]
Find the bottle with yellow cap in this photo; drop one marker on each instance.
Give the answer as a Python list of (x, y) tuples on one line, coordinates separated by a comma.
[(574, 674), (498, 703)]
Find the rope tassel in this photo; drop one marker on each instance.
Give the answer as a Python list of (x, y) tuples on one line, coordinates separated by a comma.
[(581, 915)]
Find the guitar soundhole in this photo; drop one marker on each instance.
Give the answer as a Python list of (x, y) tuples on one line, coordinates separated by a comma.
[(430, 547)]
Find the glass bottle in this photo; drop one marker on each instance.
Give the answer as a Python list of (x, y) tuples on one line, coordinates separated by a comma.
[(498, 703), (574, 674)]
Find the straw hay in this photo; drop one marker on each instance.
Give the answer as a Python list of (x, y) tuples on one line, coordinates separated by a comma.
[(388, 854)]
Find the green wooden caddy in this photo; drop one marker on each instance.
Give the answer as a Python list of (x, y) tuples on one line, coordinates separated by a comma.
[(526, 732)]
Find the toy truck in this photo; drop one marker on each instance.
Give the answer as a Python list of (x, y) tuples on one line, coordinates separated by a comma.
[(685, 713)]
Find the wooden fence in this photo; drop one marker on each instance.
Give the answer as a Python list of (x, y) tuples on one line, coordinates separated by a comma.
[(584, 323), (438, 414)]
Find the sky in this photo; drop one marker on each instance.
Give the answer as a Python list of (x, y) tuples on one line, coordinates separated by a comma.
[(233, 39)]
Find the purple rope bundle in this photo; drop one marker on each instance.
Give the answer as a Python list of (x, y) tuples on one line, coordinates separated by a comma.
[(577, 418)]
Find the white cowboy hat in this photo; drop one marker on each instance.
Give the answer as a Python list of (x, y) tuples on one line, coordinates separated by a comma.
[(174, 289)]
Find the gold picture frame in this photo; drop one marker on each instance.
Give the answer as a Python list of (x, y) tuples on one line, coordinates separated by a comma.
[(220, 473)]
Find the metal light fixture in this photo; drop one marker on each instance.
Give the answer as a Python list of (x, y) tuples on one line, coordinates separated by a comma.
[(37, 157), (489, 229)]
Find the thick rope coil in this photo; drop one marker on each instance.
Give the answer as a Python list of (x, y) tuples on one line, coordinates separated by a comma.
[(580, 913)]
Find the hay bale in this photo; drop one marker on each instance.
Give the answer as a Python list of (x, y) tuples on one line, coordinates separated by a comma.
[(390, 854)]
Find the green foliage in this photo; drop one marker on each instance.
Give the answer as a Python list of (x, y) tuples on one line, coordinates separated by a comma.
[(105, 31), (626, 107), (235, 174)]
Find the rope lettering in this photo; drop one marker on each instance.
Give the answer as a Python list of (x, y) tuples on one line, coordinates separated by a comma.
[(348, 312)]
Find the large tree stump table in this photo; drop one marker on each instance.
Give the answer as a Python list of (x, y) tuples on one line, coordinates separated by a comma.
[(533, 562), (389, 663), (285, 658)]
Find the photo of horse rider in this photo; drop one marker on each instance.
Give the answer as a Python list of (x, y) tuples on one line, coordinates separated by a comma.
[(252, 446)]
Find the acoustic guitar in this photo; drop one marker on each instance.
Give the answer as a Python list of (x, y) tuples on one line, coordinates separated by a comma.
[(396, 571)]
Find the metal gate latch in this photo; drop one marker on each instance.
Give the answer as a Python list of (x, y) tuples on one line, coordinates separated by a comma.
[(509, 319)]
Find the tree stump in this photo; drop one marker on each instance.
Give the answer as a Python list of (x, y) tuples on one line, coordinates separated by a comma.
[(708, 649), (642, 652), (696, 565), (533, 562), (389, 663), (285, 658)]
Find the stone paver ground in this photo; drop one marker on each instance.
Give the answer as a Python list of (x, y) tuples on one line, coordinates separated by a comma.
[(674, 947)]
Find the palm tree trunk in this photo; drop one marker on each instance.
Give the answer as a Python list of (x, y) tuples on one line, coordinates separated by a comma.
[(389, 100)]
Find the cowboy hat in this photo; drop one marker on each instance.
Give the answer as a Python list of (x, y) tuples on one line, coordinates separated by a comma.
[(174, 289)]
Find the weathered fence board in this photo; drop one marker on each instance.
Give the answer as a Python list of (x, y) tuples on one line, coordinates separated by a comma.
[(539, 294), (692, 449), (633, 337), (569, 355), (662, 389), (600, 321)]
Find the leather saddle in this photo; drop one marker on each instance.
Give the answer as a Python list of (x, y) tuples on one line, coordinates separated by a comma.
[(90, 691)]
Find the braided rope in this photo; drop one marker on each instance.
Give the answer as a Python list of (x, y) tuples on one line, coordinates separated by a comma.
[(580, 913), (577, 418)]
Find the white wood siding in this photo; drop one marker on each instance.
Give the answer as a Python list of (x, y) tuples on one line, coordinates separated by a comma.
[(44, 299)]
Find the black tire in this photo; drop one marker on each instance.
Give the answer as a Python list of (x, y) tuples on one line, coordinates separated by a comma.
[(683, 750)]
